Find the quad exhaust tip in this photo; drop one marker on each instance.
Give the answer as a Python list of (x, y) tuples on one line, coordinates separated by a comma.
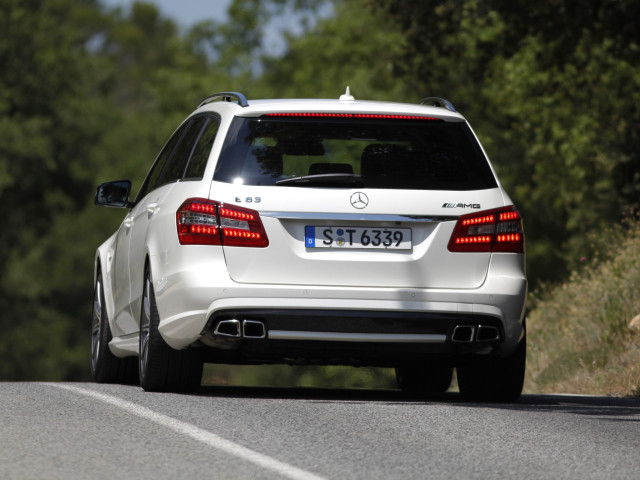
[(463, 333), (228, 328), (253, 329), (237, 329), (487, 333), (471, 333)]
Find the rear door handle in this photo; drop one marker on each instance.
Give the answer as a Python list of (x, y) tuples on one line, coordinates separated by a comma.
[(127, 222)]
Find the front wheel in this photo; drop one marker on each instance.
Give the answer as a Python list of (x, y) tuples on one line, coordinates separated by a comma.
[(161, 367), (494, 379)]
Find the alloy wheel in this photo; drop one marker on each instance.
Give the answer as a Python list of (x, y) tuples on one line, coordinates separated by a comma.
[(145, 324), (96, 324)]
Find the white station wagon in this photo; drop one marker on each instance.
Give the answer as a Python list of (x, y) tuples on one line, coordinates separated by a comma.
[(329, 232)]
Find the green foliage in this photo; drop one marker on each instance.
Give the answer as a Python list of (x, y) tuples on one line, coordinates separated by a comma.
[(46, 131), (85, 97), (552, 90), (88, 95), (340, 51), (578, 170)]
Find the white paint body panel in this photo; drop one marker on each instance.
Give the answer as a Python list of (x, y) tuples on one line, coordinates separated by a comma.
[(193, 282)]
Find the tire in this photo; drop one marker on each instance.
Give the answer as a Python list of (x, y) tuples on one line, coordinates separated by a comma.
[(161, 368), (494, 379), (424, 381), (105, 366)]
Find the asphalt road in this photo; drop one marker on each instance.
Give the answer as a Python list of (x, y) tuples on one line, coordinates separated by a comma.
[(69, 431)]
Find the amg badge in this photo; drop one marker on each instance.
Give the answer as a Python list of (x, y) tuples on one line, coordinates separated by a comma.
[(461, 205)]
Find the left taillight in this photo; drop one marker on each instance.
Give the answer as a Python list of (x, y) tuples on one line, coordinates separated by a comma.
[(206, 222), (498, 230)]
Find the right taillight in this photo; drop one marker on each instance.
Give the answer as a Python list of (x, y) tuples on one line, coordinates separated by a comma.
[(498, 230), (206, 222)]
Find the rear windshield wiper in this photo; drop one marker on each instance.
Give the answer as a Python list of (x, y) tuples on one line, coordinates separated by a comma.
[(323, 179)]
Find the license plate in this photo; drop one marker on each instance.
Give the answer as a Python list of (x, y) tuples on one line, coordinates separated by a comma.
[(353, 237)]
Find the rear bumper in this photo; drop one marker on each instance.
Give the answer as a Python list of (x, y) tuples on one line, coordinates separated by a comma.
[(332, 330), (347, 325)]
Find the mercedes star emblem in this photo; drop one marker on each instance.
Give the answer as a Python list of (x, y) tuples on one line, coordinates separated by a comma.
[(359, 200)]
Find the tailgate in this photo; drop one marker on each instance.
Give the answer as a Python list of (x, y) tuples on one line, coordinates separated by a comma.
[(317, 238)]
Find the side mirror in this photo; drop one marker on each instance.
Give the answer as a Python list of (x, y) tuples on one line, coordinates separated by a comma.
[(114, 194)]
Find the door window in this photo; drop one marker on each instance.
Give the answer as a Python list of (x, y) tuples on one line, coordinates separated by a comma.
[(198, 162), (171, 164)]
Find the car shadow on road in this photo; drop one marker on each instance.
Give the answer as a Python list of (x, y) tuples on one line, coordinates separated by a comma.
[(590, 406), (612, 408)]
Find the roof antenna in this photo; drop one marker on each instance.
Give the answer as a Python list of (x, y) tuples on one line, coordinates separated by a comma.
[(347, 97)]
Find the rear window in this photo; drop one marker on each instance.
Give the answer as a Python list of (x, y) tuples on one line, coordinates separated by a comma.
[(347, 153)]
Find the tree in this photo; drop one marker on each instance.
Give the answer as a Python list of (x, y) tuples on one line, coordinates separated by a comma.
[(552, 89), (354, 47), (46, 131), (85, 95)]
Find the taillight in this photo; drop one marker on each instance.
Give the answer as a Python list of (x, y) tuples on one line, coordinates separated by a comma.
[(241, 227), (197, 222), (497, 230), (205, 222)]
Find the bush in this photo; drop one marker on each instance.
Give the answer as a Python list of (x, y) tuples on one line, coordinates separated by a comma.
[(580, 336)]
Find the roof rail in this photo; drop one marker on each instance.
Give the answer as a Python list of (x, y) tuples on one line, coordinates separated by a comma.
[(438, 102), (226, 97)]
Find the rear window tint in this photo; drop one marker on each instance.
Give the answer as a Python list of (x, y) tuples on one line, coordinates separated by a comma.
[(385, 154)]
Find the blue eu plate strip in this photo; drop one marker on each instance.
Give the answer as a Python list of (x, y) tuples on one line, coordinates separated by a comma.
[(310, 237)]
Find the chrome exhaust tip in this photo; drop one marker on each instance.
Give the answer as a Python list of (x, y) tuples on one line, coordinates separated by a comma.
[(228, 328), (487, 333), (463, 334), (253, 329)]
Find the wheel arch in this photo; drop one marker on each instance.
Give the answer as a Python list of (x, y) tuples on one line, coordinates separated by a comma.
[(153, 265), (103, 263), (137, 301)]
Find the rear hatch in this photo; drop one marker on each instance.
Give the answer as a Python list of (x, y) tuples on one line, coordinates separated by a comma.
[(368, 202)]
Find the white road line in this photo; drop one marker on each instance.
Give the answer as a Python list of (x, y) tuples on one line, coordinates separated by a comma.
[(204, 436)]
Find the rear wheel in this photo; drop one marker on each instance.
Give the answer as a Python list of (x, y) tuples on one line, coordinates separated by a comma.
[(425, 380), (161, 367), (105, 366), (494, 379)]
